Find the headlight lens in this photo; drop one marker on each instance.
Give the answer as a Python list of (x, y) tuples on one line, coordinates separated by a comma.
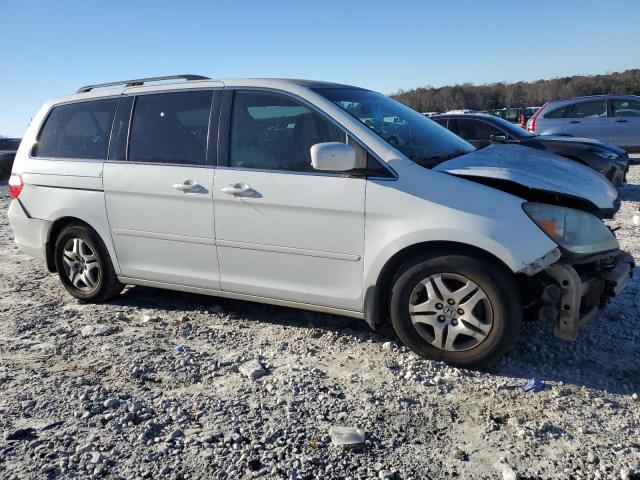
[(575, 230)]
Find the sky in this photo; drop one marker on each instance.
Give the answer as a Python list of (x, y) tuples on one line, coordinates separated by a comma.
[(51, 48)]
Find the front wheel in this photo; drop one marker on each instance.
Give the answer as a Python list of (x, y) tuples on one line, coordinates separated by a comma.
[(84, 266), (457, 309)]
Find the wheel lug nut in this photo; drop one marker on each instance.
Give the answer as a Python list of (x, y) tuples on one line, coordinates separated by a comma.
[(454, 322), (460, 311), (441, 318), (439, 306), (450, 301)]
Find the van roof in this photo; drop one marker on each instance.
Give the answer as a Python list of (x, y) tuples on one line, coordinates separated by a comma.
[(175, 82), (190, 78)]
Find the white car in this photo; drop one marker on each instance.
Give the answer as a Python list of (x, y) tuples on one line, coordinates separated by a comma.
[(286, 192)]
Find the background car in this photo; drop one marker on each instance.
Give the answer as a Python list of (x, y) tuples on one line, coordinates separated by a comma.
[(613, 119), (481, 130), (8, 149)]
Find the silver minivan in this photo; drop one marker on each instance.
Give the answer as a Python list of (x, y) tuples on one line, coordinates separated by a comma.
[(613, 119), (292, 192)]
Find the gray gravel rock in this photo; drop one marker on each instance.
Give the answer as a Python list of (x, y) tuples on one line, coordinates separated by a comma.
[(252, 369)]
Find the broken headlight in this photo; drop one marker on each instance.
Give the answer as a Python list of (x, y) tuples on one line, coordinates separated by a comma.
[(574, 230)]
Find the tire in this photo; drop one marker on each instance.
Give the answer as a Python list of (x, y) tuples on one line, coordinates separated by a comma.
[(471, 338), (94, 279)]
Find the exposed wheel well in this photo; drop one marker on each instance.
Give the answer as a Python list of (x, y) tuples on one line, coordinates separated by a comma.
[(377, 298), (56, 228)]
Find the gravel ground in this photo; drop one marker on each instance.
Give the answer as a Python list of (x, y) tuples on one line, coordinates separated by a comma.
[(159, 384)]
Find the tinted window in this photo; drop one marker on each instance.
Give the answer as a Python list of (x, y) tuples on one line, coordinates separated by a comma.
[(170, 128), (274, 132), (476, 129), (441, 121), (77, 130), (9, 143), (420, 139), (625, 108), (562, 112), (595, 109)]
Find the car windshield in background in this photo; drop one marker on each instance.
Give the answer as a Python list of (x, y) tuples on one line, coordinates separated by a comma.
[(511, 128), (420, 139)]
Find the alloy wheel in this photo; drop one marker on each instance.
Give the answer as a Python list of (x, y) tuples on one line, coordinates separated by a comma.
[(450, 312), (81, 264)]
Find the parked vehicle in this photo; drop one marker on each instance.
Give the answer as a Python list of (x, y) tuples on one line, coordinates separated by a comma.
[(483, 130), (8, 149), (255, 189), (515, 115), (613, 119)]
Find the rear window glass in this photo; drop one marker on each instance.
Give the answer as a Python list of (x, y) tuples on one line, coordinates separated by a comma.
[(9, 143), (561, 112), (77, 130), (170, 128), (595, 109), (476, 129)]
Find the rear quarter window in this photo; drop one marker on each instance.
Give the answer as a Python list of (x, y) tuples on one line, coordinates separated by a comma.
[(562, 112), (77, 130)]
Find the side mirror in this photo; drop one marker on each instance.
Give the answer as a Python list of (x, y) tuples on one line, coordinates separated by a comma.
[(333, 156), (498, 138)]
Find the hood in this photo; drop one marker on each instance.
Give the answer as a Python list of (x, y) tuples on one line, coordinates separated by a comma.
[(597, 144), (537, 176)]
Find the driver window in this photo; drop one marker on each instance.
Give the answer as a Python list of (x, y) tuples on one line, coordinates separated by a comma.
[(270, 131)]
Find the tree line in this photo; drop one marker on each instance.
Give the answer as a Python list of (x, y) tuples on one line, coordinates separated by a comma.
[(520, 94)]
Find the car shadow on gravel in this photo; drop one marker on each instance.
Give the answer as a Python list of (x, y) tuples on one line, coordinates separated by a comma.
[(603, 359), (183, 303), (630, 192)]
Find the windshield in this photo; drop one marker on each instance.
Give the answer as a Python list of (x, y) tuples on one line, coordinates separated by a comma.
[(511, 128), (420, 139)]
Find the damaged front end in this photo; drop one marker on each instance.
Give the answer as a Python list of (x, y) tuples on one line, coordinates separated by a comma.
[(571, 291), (567, 201)]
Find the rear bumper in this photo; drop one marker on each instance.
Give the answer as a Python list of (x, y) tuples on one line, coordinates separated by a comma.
[(573, 294), (30, 234)]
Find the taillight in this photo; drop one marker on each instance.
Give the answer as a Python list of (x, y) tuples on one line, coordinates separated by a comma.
[(531, 125), (15, 185)]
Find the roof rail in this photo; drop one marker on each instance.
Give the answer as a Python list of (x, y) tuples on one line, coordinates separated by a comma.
[(140, 81)]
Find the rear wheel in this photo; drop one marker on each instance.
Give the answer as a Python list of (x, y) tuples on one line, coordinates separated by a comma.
[(456, 309), (84, 266)]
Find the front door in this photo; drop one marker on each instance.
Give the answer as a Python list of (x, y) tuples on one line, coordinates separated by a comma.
[(159, 191), (283, 230)]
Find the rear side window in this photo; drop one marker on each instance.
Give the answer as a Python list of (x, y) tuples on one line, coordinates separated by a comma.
[(77, 130), (562, 112), (441, 121), (594, 109), (625, 108), (9, 144), (170, 128), (475, 129)]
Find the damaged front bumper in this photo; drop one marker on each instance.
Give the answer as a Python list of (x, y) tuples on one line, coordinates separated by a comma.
[(571, 292)]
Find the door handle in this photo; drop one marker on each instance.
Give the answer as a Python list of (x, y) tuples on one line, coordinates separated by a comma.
[(574, 121), (622, 121), (188, 186), (240, 190)]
